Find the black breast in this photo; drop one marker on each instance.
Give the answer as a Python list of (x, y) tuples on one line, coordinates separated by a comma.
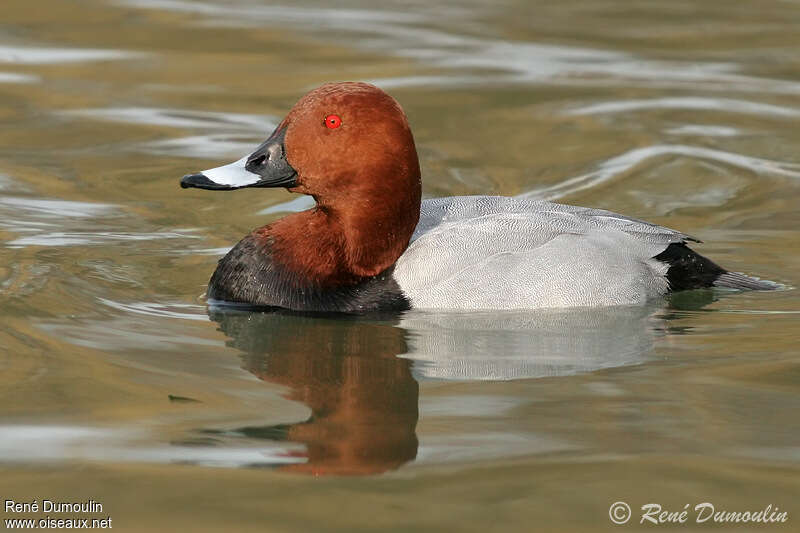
[(249, 275)]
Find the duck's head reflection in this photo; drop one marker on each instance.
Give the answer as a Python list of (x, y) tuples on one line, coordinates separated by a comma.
[(358, 374), (362, 397)]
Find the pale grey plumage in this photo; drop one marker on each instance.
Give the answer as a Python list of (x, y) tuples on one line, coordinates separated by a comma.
[(493, 252)]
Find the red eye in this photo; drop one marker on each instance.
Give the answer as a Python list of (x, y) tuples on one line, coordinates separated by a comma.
[(333, 121)]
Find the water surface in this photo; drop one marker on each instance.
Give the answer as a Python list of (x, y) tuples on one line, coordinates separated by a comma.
[(119, 384)]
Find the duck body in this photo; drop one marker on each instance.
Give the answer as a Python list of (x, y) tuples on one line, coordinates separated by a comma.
[(372, 244), (493, 252)]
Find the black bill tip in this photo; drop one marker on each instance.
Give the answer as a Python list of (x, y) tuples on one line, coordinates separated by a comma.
[(200, 181)]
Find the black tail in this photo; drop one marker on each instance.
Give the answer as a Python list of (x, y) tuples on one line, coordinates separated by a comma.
[(690, 270)]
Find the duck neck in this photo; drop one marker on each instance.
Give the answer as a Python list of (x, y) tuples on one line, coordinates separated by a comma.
[(331, 246)]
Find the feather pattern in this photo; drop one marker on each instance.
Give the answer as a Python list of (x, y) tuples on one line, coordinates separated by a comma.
[(491, 252)]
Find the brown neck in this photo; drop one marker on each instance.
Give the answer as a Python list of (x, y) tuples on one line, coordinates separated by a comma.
[(333, 246), (375, 232)]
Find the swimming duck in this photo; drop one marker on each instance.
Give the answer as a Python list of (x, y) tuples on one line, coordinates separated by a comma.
[(372, 244)]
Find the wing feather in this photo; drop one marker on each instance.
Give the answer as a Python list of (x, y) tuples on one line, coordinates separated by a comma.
[(500, 252)]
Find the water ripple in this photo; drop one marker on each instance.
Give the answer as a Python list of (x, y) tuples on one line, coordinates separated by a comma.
[(620, 164), (131, 332), (13, 77), (280, 14), (49, 443), (400, 33), (727, 105), (36, 55), (704, 130), (55, 209), (179, 118), (239, 132), (61, 238), (173, 310), (54, 222), (203, 146)]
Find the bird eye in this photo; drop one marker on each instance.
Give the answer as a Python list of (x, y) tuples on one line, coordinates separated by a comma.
[(333, 121)]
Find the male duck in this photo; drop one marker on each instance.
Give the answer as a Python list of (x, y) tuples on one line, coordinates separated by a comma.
[(371, 244)]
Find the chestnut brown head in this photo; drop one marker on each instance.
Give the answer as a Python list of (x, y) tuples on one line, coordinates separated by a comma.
[(341, 143), (349, 146)]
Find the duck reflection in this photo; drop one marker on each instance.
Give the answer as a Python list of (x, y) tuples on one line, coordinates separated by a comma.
[(358, 375), (363, 398), (492, 346)]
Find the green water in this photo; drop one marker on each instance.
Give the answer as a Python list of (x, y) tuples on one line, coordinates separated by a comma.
[(117, 385)]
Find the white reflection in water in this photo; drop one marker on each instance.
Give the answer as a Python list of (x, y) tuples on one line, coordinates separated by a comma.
[(7, 184), (30, 55), (401, 33), (726, 105), (51, 208), (203, 146), (59, 238), (621, 164), (518, 345), (179, 118), (128, 333), (663, 204), (31, 444), (13, 77), (36, 216), (322, 17), (52, 222), (197, 251), (295, 205), (237, 133), (704, 130), (173, 310)]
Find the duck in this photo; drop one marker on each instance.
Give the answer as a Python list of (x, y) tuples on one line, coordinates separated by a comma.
[(371, 243)]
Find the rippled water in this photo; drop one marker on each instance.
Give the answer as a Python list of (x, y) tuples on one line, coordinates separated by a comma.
[(119, 384)]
